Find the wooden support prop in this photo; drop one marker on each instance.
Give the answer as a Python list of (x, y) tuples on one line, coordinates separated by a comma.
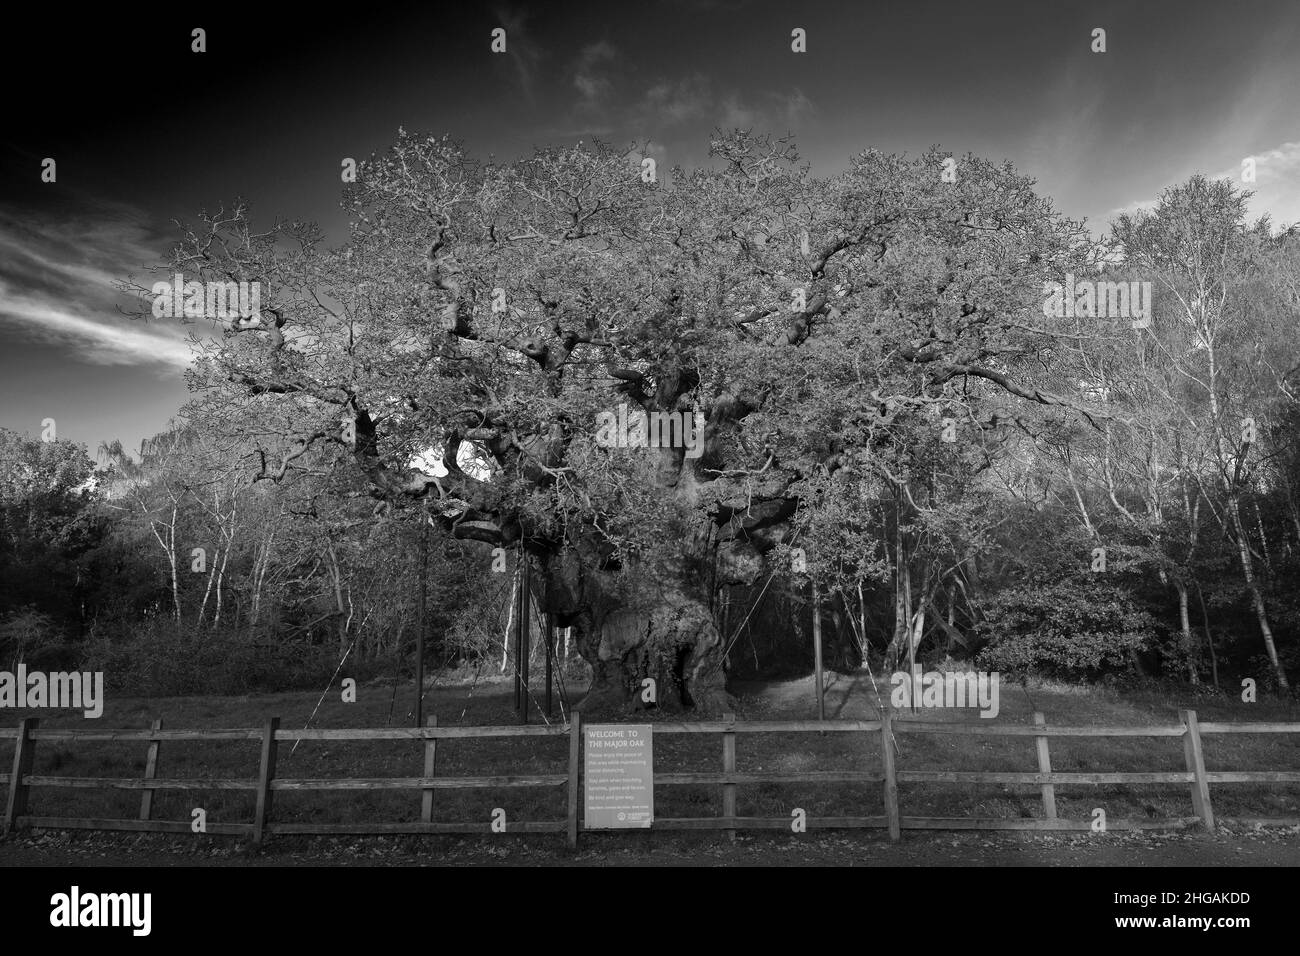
[(575, 765), (24, 754), (150, 772), (1045, 766), (422, 626), (525, 635), (430, 771), (729, 766), (549, 620), (817, 650), (891, 781), (1195, 758), (265, 774), (514, 635)]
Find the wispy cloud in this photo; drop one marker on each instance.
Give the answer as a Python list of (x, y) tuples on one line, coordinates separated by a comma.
[(693, 99), (711, 6), (674, 110), (1277, 182), (120, 342), (523, 53), (673, 102), (773, 112), (592, 75), (1276, 187), (57, 287)]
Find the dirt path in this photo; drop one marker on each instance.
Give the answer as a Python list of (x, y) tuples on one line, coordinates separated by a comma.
[(1268, 848)]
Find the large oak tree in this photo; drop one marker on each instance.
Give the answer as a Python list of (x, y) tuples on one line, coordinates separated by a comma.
[(825, 328)]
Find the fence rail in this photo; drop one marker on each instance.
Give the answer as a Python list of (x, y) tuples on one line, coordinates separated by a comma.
[(882, 733)]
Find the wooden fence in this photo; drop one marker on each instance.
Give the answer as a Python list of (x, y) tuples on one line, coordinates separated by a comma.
[(881, 733)]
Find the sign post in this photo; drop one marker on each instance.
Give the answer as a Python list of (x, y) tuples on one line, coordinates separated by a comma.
[(618, 776)]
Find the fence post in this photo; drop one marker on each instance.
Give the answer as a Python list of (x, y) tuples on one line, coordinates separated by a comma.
[(1045, 766), (430, 770), (891, 780), (24, 753), (150, 772), (265, 774), (1195, 759), (575, 758), (729, 766)]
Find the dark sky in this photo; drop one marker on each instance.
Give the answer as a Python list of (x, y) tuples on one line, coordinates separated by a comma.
[(143, 130)]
